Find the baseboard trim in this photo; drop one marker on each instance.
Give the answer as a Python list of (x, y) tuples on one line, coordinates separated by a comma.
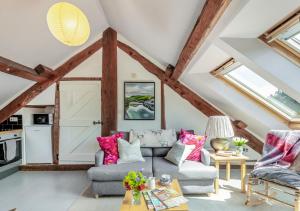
[(53, 167), (77, 167)]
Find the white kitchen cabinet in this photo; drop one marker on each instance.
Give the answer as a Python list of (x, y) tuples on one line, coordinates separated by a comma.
[(38, 144)]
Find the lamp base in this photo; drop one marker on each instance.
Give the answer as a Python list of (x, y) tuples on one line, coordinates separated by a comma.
[(220, 144)]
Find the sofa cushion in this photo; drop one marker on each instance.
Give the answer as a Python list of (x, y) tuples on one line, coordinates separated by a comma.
[(129, 152), (189, 170), (110, 147), (154, 138), (125, 134), (146, 151), (117, 172), (161, 151), (179, 153)]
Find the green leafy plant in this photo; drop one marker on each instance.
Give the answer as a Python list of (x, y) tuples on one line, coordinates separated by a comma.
[(239, 141), (134, 180)]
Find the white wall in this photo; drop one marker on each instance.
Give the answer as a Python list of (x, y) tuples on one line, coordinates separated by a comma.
[(181, 114), (131, 70), (92, 67), (47, 97)]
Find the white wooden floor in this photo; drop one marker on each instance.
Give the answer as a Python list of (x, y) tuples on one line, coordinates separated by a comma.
[(41, 191), (59, 191)]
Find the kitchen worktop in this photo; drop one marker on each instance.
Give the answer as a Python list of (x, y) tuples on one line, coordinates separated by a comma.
[(10, 131)]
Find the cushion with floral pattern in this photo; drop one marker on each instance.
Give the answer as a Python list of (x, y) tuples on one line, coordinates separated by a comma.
[(109, 145)]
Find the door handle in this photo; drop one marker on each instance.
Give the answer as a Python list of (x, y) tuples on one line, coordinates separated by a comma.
[(97, 122)]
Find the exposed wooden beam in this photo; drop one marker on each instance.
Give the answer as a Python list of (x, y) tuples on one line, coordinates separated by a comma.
[(210, 14), (109, 84), (163, 108), (193, 98), (81, 79), (55, 128), (44, 71), (19, 70), (239, 124), (23, 99), (169, 70)]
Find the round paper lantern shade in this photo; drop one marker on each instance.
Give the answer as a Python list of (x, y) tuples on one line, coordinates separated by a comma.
[(68, 24)]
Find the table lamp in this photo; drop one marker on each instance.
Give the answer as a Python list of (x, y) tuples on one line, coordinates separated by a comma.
[(219, 130)]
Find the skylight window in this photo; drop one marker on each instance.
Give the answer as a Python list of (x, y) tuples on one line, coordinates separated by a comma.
[(265, 91), (285, 37), (291, 37), (261, 91)]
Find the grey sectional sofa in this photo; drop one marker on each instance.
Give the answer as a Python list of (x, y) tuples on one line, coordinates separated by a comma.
[(194, 177)]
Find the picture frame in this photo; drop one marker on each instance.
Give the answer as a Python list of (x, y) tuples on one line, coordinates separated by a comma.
[(139, 100)]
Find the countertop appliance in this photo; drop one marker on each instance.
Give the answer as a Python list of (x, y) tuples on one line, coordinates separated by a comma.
[(42, 119), (38, 144)]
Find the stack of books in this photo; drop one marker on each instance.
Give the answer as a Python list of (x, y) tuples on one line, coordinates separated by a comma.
[(225, 153), (163, 198)]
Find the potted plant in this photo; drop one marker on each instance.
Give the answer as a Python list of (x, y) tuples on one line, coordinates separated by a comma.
[(135, 182), (239, 143)]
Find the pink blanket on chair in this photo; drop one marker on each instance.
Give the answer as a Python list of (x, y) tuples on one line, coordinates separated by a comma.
[(280, 149)]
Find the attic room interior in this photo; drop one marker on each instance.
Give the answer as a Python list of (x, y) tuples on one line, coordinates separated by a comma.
[(139, 105)]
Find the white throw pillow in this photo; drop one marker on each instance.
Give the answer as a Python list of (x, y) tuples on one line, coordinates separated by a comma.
[(154, 138), (129, 152), (179, 152)]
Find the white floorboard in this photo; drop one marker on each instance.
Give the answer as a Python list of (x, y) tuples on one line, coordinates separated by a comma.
[(41, 191), (60, 191)]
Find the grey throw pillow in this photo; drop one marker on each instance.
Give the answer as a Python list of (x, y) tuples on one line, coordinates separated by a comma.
[(129, 152), (179, 152)]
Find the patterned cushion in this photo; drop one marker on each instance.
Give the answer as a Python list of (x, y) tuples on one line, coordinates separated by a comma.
[(191, 139), (110, 147), (154, 138), (179, 153)]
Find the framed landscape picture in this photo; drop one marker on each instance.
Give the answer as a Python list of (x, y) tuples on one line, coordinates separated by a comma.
[(139, 100)]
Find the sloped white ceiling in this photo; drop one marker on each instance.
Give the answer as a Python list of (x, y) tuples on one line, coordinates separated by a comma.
[(210, 60), (25, 37), (160, 28), (258, 16), (11, 86), (252, 20)]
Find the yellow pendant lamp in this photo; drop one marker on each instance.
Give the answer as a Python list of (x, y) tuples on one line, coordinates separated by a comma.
[(68, 24)]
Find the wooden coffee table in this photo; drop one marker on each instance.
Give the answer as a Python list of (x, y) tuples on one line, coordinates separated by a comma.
[(127, 206)]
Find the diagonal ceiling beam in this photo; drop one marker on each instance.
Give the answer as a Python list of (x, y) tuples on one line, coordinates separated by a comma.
[(23, 99), (192, 97), (44, 71), (210, 14), (16, 69)]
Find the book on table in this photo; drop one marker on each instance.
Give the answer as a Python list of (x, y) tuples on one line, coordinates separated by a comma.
[(225, 153), (163, 198)]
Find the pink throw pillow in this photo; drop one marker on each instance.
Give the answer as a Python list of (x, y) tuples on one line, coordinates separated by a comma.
[(109, 145), (191, 139)]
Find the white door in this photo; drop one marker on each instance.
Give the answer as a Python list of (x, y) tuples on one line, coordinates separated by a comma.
[(79, 110)]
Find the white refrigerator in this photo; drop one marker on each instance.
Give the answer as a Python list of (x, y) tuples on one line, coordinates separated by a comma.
[(38, 144)]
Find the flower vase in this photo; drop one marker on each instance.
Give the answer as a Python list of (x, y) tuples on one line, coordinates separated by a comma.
[(239, 150), (136, 197)]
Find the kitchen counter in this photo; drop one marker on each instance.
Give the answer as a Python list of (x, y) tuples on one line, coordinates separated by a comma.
[(10, 131)]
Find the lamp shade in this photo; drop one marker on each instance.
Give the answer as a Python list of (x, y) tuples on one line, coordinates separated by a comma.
[(219, 127), (68, 24)]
